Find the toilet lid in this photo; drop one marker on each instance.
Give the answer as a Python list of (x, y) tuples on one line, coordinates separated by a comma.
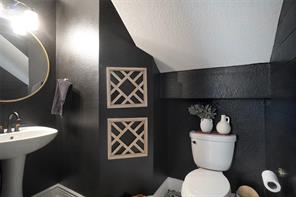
[(204, 183)]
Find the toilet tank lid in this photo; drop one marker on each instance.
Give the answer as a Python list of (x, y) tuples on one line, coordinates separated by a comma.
[(212, 137)]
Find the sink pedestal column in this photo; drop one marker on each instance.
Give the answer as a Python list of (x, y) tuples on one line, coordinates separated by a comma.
[(12, 177)]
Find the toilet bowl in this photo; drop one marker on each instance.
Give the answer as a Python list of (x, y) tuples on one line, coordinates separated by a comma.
[(205, 183), (213, 154)]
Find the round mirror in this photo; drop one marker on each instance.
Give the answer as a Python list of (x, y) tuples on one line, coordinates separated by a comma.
[(24, 65)]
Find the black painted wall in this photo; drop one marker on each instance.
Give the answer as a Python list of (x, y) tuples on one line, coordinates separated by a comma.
[(248, 81), (137, 175), (42, 167), (77, 59), (281, 109)]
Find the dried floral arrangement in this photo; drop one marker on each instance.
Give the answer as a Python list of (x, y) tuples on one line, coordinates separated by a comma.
[(202, 111)]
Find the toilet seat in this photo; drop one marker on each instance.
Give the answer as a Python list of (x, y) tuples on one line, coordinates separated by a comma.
[(205, 183)]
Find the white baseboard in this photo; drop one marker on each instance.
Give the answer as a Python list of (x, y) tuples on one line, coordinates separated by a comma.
[(58, 190)]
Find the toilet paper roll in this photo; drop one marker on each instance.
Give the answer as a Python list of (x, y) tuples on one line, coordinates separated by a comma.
[(271, 181)]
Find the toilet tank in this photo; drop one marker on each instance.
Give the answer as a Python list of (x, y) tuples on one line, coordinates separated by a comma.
[(212, 151)]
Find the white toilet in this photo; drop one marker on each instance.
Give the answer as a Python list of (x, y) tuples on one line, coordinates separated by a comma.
[(213, 153)]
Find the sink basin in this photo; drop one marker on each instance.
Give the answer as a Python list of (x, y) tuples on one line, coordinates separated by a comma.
[(13, 150), (27, 140)]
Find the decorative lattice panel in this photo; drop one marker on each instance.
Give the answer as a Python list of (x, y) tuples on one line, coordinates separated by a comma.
[(126, 87), (127, 138)]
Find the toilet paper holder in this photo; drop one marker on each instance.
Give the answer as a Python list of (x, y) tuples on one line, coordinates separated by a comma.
[(282, 172)]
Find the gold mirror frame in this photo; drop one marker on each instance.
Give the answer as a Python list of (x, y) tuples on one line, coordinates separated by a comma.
[(45, 80)]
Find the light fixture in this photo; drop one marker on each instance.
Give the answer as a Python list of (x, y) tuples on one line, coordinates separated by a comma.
[(22, 18), (27, 21), (32, 20)]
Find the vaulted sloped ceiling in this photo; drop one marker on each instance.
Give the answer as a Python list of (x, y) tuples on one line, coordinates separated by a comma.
[(194, 34)]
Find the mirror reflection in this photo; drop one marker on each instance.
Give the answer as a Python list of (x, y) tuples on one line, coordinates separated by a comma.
[(24, 64)]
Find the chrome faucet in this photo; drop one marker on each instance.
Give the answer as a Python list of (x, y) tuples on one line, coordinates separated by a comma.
[(17, 122)]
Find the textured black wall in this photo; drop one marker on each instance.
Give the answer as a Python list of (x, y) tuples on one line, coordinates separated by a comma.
[(240, 92), (137, 175), (42, 167), (281, 110), (249, 81), (77, 59)]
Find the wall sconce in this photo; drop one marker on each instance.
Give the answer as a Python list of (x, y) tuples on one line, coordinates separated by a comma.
[(22, 18)]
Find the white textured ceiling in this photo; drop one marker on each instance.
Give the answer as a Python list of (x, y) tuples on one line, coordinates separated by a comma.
[(194, 34)]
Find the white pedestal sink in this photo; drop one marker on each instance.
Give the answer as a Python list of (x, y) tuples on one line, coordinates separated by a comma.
[(13, 149)]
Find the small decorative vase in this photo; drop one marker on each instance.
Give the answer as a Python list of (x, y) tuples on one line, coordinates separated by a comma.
[(206, 125), (223, 127)]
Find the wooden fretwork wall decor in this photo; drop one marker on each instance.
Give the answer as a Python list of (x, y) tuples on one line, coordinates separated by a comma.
[(127, 138), (126, 87)]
